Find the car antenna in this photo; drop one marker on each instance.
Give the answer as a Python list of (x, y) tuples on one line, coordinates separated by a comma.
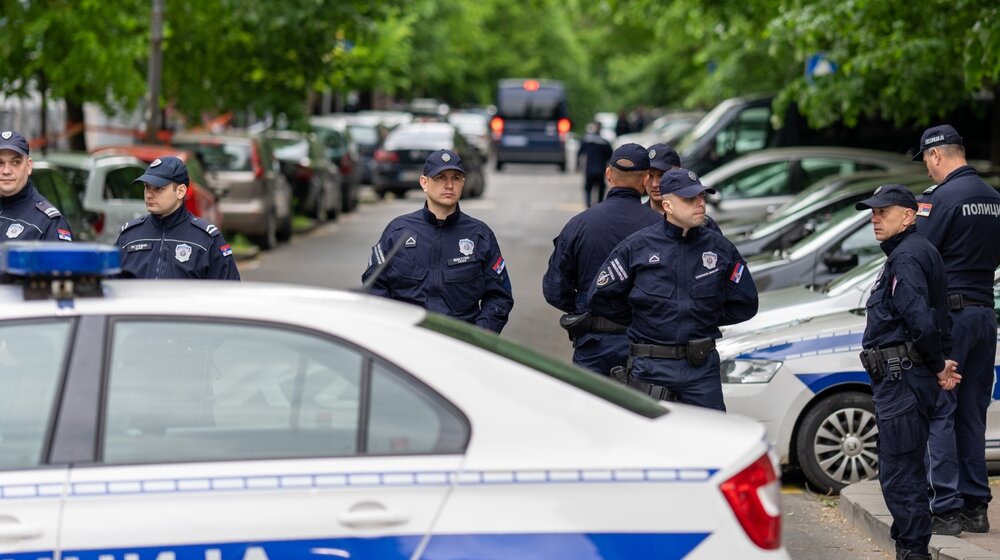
[(367, 285)]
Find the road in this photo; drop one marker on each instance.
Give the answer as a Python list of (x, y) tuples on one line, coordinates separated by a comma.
[(526, 207)]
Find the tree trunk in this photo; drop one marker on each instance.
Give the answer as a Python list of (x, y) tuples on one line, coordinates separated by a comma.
[(43, 90), (76, 124)]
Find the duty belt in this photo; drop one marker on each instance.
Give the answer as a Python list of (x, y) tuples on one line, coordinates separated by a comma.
[(657, 351), (602, 325), (958, 302), (889, 362)]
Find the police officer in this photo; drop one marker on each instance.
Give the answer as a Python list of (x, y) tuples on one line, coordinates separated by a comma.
[(24, 213), (581, 247), (449, 262), (662, 158), (170, 243), (597, 151), (961, 217), (906, 342), (675, 283)]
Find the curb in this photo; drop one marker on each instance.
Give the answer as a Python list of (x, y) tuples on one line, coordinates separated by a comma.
[(864, 508)]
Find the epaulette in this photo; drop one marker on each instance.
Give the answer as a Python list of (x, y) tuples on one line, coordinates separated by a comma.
[(207, 227), (930, 189), (135, 222), (46, 208)]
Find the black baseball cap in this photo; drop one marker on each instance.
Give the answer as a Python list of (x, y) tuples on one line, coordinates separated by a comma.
[(633, 153), (889, 195), (442, 160), (937, 136), (683, 183), (11, 140), (663, 157), (164, 171)]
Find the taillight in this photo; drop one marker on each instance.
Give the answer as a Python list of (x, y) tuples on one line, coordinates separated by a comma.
[(386, 156), (563, 127), (345, 164), (99, 223), (496, 124), (258, 168), (753, 494)]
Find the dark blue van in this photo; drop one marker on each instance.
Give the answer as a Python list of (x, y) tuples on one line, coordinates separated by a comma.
[(531, 123)]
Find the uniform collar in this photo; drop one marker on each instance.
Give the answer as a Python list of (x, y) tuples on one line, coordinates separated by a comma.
[(960, 172), (677, 232), (624, 192), (433, 220), (177, 217), (889, 245), (27, 193)]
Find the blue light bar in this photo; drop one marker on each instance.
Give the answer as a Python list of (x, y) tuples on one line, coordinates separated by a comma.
[(58, 260)]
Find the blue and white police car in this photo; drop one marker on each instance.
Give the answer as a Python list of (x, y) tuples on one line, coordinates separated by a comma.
[(215, 421)]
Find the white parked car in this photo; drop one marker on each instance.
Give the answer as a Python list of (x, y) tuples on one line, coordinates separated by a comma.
[(217, 420)]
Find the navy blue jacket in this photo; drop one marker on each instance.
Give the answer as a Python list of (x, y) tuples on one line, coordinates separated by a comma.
[(453, 267), (674, 289), (177, 246), (597, 151), (961, 217), (27, 216), (908, 302), (586, 241)]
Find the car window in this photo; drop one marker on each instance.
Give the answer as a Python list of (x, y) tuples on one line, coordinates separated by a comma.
[(747, 133), (216, 156), (420, 139), (767, 179), (77, 179), (364, 135), (32, 357), (542, 103), (119, 184), (814, 169), (216, 392)]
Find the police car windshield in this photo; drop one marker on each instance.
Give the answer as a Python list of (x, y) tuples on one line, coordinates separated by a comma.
[(596, 385), (221, 157), (863, 274)]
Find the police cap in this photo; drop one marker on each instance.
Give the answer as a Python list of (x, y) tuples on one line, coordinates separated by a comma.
[(889, 195), (164, 171), (683, 183), (11, 140), (634, 154), (442, 160), (937, 136), (663, 157)]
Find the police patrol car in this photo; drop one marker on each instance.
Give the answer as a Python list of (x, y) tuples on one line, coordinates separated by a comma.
[(804, 381), (215, 421)]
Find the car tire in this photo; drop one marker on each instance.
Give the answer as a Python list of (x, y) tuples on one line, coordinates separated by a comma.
[(349, 199), (269, 239), (837, 441), (499, 165), (380, 193), (284, 232)]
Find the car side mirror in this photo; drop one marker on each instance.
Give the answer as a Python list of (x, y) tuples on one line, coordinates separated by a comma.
[(713, 199), (838, 261)]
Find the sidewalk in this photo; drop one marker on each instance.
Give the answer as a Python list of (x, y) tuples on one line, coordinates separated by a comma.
[(864, 508)]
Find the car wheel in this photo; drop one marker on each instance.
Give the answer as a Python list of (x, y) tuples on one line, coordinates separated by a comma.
[(284, 232), (837, 441), (269, 239), (380, 193), (499, 165)]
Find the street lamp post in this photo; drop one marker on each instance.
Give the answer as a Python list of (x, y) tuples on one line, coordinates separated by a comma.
[(155, 71)]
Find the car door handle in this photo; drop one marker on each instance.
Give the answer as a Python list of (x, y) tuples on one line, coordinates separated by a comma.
[(372, 514), (14, 530)]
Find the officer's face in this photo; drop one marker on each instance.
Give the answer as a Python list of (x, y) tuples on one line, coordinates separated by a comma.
[(891, 220), (14, 172), (653, 185), (932, 159), (444, 189), (685, 212), (164, 201)]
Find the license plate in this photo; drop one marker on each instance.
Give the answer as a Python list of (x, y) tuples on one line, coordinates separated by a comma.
[(409, 176), (515, 140)]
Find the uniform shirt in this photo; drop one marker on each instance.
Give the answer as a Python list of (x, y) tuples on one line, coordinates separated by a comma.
[(27, 216), (672, 288), (961, 217), (452, 266), (597, 151), (586, 241), (177, 246), (908, 302)]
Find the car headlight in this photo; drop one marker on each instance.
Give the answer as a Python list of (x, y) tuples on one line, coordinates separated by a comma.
[(748, 371)]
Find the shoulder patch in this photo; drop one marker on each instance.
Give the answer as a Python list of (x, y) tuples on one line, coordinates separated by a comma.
[(207, 227), (46, 208), (930, 189), (133, 223)]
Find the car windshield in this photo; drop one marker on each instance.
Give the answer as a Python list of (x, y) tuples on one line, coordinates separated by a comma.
[(218, 156), (545, 103), (703, 126), (419, 139), (289, 149), (596, 385), (850, 279), (363, 135)]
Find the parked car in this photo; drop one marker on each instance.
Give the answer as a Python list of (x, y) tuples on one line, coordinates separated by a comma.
[(400, 161), (202, 199), (609, 124), (258, 200), (475, 126), (52, 183), (104, 186), (755, 185), (317, 185), (352, 158), (668, 129)]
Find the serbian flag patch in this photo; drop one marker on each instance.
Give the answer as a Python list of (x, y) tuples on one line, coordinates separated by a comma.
[(924, 209), (499, 265), (737, 273), (226, 250), (64, 235)]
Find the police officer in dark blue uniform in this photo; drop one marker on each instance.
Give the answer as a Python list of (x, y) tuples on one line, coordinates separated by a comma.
[(24, 213), (662, 158), (597, 151), (906, 342), (961, 217), (676, 283), (170, 243), (448, 262), (581, 247)]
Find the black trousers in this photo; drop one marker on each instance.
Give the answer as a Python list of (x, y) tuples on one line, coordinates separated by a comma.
[(589, 183)]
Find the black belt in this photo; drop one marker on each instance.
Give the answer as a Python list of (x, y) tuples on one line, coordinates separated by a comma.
[(889, 361), (657, 351), (607, 326), (958, 302)]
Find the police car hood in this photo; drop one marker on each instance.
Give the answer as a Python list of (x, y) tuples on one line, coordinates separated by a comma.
[(820, 334)]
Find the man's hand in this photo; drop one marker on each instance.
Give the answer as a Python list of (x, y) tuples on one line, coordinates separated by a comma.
[(949, 376)]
